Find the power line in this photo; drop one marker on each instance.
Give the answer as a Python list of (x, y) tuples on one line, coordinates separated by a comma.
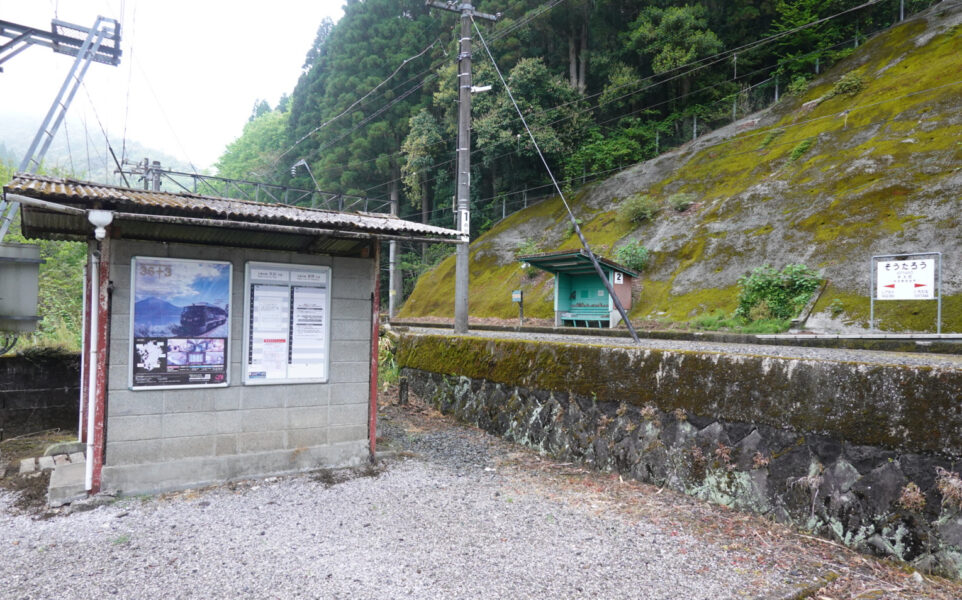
[(356, 102)]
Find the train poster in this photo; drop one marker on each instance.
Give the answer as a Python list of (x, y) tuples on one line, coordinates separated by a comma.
[(180, 322)]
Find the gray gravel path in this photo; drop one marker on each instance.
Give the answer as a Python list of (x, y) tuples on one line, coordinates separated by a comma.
[(447, 523), (947, 361)]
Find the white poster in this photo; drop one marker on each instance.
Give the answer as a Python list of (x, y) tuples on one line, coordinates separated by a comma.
[(287, 323), (905, 279)]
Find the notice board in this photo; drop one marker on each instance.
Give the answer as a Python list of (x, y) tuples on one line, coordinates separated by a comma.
[(287, 326), (180, 322)]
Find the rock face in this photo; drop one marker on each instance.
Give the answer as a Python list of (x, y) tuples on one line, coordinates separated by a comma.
[(827, 178), (835, 448)]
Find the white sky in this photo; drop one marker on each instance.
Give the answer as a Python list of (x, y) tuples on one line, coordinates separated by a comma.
[(192, 69)]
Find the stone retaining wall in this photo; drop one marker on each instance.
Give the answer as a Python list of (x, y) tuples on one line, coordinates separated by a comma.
[(38, 392), (837, 449)]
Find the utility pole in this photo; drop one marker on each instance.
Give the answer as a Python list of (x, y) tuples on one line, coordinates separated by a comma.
[(464, 157)]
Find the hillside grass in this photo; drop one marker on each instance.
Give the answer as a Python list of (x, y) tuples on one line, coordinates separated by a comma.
[(857, 173)]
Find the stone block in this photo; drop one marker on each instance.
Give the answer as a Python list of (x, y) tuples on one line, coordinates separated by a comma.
[(178, 448), (349, 393), (189, 424), (134, 452), (307, 417), (228, 422), (118, 377), (351, 330), (347, 372), (120, 328), (308, 394), (66, 484), (64, 448), (353, 267), (350, 308), (60, 459), (348, 414), (189, 401), (263, 396), (45, 463), (225, 445), (305, 438), (77, 457), (227, 398), (126, 403), (350, 351), (28, 465), (260, 441), (351, 433), (351, 288), (268, 419), (142, 427)]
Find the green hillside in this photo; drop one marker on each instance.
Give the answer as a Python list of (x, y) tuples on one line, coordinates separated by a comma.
[(867, 160)]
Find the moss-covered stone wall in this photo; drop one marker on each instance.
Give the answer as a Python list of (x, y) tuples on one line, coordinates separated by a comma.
[(917, 409), (835, 448)]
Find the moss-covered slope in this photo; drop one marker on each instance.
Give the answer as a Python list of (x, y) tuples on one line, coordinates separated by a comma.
[(828, 179)]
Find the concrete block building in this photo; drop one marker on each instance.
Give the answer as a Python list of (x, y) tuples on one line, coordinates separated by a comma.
[(223, 338)]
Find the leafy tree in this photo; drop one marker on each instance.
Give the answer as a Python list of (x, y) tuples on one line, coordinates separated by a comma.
[(260, 107), (421, 148), (317, 48), (671, 38), (253, 154)]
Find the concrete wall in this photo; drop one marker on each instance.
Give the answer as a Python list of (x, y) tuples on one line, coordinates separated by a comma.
[(860, 454), (168, 439), (39, 391)]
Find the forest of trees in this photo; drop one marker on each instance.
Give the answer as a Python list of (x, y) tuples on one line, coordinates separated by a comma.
[(603, 83)]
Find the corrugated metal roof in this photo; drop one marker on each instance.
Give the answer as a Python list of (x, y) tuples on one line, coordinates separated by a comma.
[(573, 262), (84, 194)]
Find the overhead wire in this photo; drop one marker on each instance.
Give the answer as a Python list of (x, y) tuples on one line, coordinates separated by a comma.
[(356, 102)]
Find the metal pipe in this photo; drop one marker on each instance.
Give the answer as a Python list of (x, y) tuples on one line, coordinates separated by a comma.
[(92, 373), (375, 331), (27, 200)]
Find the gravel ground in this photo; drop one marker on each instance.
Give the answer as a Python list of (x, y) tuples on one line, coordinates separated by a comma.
[(449, 517), (455, 513), (948, 361)]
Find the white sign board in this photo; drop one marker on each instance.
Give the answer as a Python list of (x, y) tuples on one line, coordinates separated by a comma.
[(905, 279), (286, 323)]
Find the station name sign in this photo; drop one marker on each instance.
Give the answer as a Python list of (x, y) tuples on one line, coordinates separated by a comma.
[(905, 279)]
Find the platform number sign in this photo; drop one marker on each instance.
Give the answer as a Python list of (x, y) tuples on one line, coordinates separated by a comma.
[(905, 279)]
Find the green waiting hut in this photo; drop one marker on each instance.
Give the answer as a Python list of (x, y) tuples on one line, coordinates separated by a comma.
[(580, 298)]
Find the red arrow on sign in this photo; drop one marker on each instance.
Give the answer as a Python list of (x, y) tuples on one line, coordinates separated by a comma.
[(891, 285), (918, 285)]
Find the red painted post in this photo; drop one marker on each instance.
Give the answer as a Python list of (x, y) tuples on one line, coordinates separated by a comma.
[(102, 306), (375, 330)]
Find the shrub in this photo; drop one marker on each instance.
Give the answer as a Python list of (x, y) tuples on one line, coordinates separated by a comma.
[(798, 86), (633, 255), (785, 292), (639, 208), (849, 85), (770, 137), (681, 202), (527, 247), (800, 149), (912, 498), (570, 228), (950, 486)]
